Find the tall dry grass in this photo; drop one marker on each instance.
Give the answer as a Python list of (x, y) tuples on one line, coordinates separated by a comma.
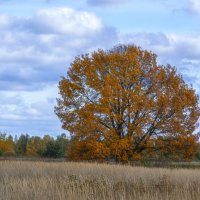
[(62, 181)]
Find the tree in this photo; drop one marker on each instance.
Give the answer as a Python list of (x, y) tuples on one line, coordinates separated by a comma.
[(34, 146), (121, 104), (53, 150), (63, 143), (43, 145), (21, 145), (6, 145)]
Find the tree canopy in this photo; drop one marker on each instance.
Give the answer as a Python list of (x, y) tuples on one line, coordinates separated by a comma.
[(34, 146), (121, 104)]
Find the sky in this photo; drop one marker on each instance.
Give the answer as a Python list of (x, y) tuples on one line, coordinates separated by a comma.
[(40, 38)]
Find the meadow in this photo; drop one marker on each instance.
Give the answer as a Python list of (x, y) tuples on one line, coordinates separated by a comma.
[(36, 180)]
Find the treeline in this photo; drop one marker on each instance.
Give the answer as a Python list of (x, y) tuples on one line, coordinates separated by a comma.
[(33, 146), (60, 147)]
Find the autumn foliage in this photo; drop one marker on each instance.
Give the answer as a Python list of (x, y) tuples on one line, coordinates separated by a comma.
[(35, 146), (6, 145), (122, 105)]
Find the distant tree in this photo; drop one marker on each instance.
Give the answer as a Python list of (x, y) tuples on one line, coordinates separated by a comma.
[(43, 145), (21, 145), (117, 104), (63, 143), (55, 148), (34, 146), (7, 146)]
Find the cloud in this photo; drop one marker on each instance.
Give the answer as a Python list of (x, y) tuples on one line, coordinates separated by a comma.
[(35, 52), (38, 48), (168, 3), (65, 21), (105, 2), (29, 112), (194, 6), (60, 20)]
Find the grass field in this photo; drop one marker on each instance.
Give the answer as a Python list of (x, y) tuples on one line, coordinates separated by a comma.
[(26, 180)]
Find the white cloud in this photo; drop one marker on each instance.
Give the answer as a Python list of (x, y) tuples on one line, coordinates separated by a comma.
[(194, 6), (28, 104), (38, 48), (29, 111), (35, 52), (5, 21), (65, 21), (106, 2)]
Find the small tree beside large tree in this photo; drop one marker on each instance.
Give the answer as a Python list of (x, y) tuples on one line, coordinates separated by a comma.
[(121, 104)]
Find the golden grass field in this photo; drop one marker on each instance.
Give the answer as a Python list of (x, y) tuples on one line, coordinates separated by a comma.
[(28, 180)]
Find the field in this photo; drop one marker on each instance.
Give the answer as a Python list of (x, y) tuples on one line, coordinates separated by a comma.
[(28, 180)]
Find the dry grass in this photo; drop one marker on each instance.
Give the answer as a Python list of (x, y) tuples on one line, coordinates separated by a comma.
[(40, 180)]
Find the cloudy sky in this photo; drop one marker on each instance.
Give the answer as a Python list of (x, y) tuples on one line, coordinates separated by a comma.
[(39, 39)]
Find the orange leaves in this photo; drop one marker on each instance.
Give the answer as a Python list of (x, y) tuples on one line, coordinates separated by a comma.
[(7, 146), (121, 148), (88, 150), (118, 103)]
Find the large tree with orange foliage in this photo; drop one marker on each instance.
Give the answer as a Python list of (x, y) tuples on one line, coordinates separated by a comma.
[(121, 104)]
